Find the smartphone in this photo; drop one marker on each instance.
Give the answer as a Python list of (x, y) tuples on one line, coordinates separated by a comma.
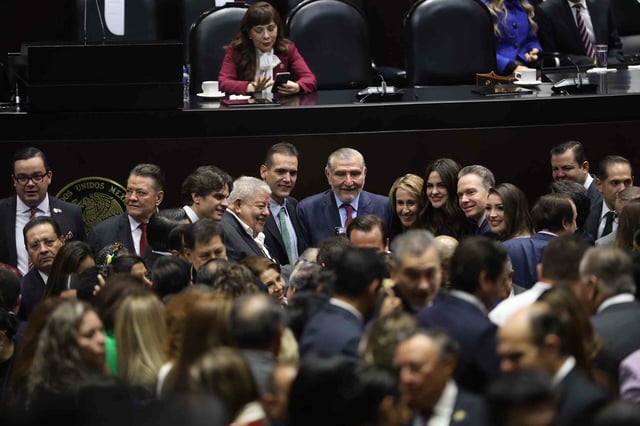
[(281, 78)]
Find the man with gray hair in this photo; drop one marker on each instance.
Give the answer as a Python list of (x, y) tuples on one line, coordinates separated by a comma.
[(330, 212), (473, 189), (415, 270), (608, 290), (244, 219)]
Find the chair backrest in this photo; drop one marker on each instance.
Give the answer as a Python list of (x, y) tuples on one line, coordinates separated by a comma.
[(448, 42), (333, 38), (142, 21), (627, 16), (209, 34), (191, 11)]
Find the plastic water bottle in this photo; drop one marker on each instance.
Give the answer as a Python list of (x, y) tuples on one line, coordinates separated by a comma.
[(185, 83)]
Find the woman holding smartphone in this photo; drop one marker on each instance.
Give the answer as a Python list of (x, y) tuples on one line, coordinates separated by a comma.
[(259, 52)]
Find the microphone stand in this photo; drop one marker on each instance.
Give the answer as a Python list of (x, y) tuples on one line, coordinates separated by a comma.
[(84, 27)]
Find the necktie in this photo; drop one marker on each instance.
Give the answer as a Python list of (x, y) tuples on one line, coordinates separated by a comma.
[(286, 238), (349, 217), (584, 35), (143, 238), (32, 215), (608, 224)]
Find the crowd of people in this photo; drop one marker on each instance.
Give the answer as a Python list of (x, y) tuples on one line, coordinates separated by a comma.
[(446, 301)]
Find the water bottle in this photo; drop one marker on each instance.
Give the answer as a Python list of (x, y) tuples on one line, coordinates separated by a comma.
[(185, 83)]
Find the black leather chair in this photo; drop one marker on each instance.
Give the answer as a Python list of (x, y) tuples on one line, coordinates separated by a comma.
[(448, 42), (209, 34), (627, 17), (333, 38), (142, 21)]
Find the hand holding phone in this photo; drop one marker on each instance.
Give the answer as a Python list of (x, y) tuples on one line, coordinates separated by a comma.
[(281, 78)]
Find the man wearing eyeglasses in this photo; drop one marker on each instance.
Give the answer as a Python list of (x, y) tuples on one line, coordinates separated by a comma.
[(43, 239), (31, 178)]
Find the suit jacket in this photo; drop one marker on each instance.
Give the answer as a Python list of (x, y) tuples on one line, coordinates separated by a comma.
[(469, 410), (593, 220), (475, 333), (319, 216), (618, 325), (579, 399), (32, 288), (68, 216), (594, 194), (630, 378), (273, 237), (557, 30), (332, 331), (290, 61), (238, 243), (525, 254), (115, 229)]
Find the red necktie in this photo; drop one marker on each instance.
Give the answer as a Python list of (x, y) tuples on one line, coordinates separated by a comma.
[(584, 35), (349, 217), (143, 239)]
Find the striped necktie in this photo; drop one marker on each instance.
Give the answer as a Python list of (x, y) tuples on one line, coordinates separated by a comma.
[(584, 35)]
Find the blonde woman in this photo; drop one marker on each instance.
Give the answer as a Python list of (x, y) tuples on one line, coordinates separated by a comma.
[(517, 45), (406, 200), (140, 332)]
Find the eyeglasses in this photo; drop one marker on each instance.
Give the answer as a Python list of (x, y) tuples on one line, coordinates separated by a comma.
[(36, 244), (36, 178)]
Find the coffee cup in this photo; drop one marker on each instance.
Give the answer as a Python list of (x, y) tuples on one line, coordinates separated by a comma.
[(210, 87), (526, 75)]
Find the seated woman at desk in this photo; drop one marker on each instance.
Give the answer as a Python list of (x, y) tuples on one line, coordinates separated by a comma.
[(259, 52), (517, 45)]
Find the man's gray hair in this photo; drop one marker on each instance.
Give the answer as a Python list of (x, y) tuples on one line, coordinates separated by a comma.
[(488, 180), (612, 266), (246, 187), (344, 154), (413, 242)]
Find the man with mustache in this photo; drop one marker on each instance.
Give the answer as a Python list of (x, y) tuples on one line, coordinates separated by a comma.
[(330, 212)]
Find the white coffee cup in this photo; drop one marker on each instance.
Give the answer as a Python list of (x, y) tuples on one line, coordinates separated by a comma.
[(528, 74), (210, 87)]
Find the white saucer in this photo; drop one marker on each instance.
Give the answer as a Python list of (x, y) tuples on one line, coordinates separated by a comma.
[(217, 95), (527, 82)]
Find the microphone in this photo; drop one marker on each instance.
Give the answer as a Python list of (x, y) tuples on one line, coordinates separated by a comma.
[(104, 34), (383, 85), (574, 85), (579, 74), (84, 28)]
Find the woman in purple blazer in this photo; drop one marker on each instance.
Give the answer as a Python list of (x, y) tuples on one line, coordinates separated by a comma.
[(259, 52)]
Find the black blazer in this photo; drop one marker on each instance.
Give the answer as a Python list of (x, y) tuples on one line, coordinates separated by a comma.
[(273, 238), (238, 243), (618, 326), (115, 229), (593, 221), (32, 288), (579, 399), (68, 216), (558, 32)]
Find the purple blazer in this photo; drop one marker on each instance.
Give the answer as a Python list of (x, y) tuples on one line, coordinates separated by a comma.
[(290, 61)]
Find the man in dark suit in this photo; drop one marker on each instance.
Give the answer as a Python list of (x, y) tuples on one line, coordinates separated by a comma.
[(534, 337), (608, 290), (257, 324), (145, 192), (43, 239), (337, 327), (283, 234), (204, 193), (478, 278), (31, 178), (243, 222), (426, 361), (614, 175), (203, 241), (553, 215), (569, 161), (473, 189), (330, 212), (558, 29)]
